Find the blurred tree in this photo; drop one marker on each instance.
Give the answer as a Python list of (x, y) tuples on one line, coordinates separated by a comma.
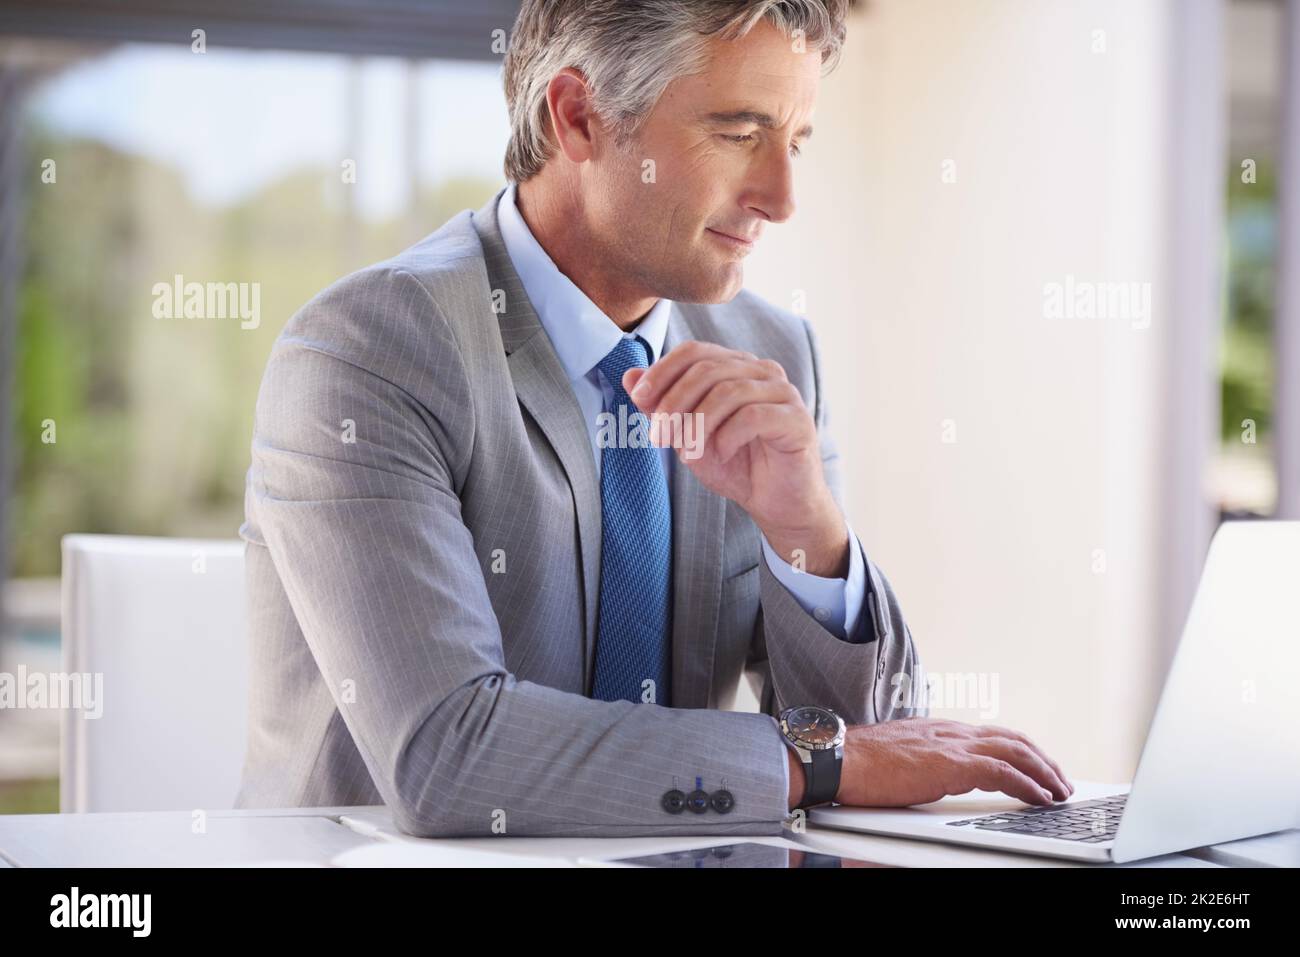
[(153, 417), (1247, 363)]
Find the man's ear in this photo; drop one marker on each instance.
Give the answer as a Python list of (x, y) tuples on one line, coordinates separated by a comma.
[(571, 115)]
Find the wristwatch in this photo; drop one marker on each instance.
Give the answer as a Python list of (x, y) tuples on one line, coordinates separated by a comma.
[(817, 737)]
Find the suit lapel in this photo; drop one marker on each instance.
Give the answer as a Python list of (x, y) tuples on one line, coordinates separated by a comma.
[(545, 392)]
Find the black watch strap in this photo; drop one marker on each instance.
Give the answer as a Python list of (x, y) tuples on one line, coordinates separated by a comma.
[(822, 775)]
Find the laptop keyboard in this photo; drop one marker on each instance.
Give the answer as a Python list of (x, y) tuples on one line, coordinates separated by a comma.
[(1088, 822)]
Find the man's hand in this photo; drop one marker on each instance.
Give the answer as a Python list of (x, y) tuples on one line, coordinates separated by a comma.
[(758, 447), (919, 760)]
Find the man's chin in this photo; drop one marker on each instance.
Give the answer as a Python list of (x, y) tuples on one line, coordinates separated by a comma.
[(721, 285)]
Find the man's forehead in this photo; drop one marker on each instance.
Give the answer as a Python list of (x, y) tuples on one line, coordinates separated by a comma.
[(758, 79)]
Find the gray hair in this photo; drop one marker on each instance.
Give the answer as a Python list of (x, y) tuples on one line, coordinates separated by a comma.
[(629, 51)]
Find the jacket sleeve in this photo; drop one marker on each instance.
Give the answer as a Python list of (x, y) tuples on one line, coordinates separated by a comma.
[(795, 661), (353, 489)]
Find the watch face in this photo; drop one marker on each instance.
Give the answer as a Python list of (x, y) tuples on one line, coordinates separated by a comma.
[(813, 726)]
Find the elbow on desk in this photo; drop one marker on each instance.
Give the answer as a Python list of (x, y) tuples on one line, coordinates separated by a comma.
[(429, 790)]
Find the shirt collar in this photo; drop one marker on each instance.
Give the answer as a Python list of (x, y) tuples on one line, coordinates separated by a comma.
[(581, 334)]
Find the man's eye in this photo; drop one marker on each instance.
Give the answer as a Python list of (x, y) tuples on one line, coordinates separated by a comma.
[(795, 149)]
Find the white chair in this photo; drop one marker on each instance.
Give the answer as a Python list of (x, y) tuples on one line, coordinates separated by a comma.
[(163, 621)]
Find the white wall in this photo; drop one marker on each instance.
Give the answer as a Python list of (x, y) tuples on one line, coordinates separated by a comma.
[(928, 300)]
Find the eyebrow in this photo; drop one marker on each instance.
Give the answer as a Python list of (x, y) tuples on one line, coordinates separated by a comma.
[(757, 117)]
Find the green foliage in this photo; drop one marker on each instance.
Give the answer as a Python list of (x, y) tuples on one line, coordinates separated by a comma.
[(1247, 356), (30, 797), (153, 417)]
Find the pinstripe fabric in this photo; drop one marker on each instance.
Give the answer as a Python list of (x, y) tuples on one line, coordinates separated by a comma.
[(423, 539)]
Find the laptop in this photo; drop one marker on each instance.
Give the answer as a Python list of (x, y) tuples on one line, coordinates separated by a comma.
[(1222, 756)]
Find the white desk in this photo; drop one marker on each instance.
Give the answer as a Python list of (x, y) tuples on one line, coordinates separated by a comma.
[(297, 836), (377, 823), (318, 836), (166, 838), (899, 852)]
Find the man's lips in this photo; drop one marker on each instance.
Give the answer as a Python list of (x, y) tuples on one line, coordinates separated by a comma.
[(733, 240)]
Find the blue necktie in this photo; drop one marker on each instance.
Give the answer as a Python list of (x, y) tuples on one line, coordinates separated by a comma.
[(633, 640)]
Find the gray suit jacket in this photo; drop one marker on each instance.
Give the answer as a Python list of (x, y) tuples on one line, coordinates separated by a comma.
[(423, 559)]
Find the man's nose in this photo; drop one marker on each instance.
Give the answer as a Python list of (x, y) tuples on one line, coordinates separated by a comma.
[(773, 188)]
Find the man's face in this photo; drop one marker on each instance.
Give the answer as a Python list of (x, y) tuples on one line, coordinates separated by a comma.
[(723, 144)]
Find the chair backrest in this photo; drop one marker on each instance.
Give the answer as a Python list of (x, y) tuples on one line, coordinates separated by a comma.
[(163, 622)]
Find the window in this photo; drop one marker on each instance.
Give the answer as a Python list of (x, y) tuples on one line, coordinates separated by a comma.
[(262, 174), (1244, 473), (267, 173)]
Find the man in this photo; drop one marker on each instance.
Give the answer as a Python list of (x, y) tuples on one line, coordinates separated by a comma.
[(475, 594)]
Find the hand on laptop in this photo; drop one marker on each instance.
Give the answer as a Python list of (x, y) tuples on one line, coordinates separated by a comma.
[(919, 760)]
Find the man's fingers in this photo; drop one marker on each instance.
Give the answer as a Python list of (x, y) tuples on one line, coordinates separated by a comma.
[(691, 387), (994, 774), (1024, 759), (660, 376), (729, 397), (1024, 739), (631, 377), (763, 420)]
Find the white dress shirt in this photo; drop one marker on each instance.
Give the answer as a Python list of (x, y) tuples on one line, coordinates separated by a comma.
[(582, 336)]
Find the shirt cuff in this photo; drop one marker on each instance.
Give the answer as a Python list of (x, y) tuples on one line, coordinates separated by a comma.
[(836, 603)]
